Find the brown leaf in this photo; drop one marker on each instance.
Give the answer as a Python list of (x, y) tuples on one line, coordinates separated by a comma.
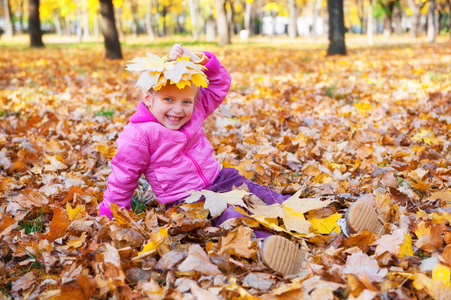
[(23, 283), (58, 226), (30, 198), (170, 259), (198, 261), (238, 242), (360, 264)]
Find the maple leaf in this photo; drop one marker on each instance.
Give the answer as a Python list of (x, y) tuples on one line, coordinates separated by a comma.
[(156, 239), (360, 264), (238, 242), (291, 211), (198, 261), (150, 63), (58, 226), (216, 203), (326, 225), (429, 238), (390, 243)]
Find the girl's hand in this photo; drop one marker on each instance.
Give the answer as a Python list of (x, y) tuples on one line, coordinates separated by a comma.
[(178, 51)]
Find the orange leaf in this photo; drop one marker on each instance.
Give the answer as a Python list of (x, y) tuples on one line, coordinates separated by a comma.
[(58, 226)]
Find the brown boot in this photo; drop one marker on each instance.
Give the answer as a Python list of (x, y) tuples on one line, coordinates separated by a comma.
[(281, 255), (362, 216)]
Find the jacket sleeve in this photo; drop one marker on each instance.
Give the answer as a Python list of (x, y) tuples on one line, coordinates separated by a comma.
[(219, 83), (127, 165)]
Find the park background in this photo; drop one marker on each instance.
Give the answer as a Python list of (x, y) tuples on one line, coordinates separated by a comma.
[(371, 123)]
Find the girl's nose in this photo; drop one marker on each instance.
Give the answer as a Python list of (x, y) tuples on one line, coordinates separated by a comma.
[(177, 107)]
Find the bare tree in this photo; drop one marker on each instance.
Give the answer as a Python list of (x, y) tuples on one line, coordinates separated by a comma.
[(370, 23), (194, 13), (431, 22), (34, 24), (416, 7), (449, 15), (221, 21), (249, 20), (85, 18), (211, 26), (149, 20), (292, 26), (7, 20), (336, 28), (112, 45), (134, 10)]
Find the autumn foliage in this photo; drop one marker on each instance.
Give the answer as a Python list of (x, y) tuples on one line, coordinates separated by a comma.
[(374, 125)]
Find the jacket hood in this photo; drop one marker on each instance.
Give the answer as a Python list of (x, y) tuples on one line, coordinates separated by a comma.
[(142, 115)]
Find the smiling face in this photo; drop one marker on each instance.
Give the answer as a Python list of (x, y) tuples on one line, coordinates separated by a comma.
[(172, 107)]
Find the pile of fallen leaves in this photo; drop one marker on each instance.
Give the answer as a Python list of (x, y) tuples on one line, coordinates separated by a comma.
[(374, 125)]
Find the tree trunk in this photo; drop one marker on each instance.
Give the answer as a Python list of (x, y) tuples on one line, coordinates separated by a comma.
[(249, 20), (230, 13), (7, 20), (431, 22), (96, 25), (34, 24), (316, 8), (194, 13), (416, 16), (361, 14), (79, 28), (370, 23), (58, 27), (336, 28), (221, 23), (449, 16), (120, 30), (292, 24), (20, 13), (388, 11), (211, 26), (397, 16), (112, 45), (134, 9), (85, 18), (149, 21)]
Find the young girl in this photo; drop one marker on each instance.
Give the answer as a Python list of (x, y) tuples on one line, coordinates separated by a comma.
[(165, 141)]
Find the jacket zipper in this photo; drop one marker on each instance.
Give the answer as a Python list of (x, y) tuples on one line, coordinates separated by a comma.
[(196, 164)]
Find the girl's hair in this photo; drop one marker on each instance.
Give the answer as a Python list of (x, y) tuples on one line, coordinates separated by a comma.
[(152, 91)]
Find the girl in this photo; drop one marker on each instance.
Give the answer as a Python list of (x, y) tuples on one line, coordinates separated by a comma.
[(165, 141)]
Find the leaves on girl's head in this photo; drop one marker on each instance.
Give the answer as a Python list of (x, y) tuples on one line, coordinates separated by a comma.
[(156, 72)]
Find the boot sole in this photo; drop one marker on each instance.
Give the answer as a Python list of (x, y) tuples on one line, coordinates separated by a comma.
[(362, 216), (281, 255)]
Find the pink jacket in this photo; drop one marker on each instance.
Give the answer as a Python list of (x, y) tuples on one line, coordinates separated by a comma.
[(173, 161)]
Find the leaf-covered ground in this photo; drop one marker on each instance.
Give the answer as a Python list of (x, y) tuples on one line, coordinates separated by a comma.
[(375, 125)]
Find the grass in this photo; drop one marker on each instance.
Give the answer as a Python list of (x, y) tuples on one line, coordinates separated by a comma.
[(140, 202), (109, 113), (33, 224)]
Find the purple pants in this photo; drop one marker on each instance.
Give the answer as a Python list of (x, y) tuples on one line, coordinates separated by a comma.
[(229, 177)]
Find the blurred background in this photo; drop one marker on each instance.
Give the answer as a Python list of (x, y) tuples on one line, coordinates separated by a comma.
[(223, 21)]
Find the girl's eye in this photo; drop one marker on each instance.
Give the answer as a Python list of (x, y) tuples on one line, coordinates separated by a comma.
[(167, 99), (187, 102)]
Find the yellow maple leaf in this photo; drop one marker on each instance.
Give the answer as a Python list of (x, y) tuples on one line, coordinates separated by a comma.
[(75, 213), (441, 273), (406, 247), (326, 225), (77, 243), (156, 239), (363, 107), (291, 211), (425, 136)]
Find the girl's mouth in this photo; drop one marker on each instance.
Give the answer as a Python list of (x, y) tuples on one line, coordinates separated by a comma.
[(175, 119)]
